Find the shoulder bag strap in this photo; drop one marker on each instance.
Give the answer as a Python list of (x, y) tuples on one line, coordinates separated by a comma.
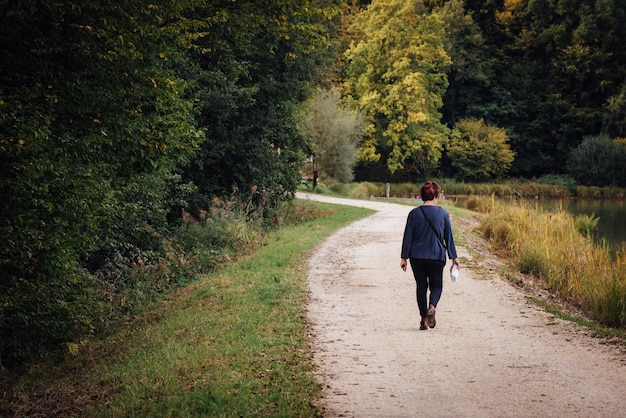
[(433, 228)]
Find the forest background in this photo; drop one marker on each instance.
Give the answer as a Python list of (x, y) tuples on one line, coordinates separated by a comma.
[(146, 142)]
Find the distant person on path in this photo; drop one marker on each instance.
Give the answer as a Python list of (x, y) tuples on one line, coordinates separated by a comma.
[(427, 236)]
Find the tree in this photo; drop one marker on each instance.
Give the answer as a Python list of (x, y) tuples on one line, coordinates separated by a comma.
[(396, 75), (334, 133), (479, 151), (108, 115), (471, 72), (564, 62), (94, 121), (599, 160), (614, 113), (254, 64)]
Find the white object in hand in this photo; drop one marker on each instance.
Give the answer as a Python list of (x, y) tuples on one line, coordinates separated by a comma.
[(454, 273)]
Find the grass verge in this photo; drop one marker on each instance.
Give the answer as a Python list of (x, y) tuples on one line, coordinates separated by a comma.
[(234, 343), (554, 247), (615, 334)]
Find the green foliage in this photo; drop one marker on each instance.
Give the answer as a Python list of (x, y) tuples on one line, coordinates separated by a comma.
[(614, 110), (562, 180), (253, 62), (94, 123), (530, 189), (549, 72), (558, 74), (364, 190), (479, 151), (471, 70), (115, 117), (396, 76), (599, 160), (233, 343), (405, 190), (334, 133)]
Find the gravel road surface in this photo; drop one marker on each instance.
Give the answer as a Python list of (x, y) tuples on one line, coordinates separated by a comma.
[(492, 353)]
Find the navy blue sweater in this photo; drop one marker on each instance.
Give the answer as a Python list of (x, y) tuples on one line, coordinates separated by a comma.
[(420, 240)]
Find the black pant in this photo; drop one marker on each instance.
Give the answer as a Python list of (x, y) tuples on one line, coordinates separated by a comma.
[(428, 274)]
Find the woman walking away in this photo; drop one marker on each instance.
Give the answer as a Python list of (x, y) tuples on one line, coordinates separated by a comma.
[(427, 236)]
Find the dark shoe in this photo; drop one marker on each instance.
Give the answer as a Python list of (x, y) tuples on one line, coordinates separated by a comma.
[(431, 317), (424, 324)]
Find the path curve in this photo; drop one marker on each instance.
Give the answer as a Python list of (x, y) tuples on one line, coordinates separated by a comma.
[(492, 354)]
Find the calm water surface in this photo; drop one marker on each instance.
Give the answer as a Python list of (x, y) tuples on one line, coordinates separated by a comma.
[(612, 214)]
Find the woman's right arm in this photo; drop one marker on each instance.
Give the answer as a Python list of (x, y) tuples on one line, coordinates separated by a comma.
[(407, 238)]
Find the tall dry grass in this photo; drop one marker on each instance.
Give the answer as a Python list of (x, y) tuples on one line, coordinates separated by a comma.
[(557, 248)]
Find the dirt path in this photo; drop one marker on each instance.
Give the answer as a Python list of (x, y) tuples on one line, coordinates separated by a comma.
[(492, 354)]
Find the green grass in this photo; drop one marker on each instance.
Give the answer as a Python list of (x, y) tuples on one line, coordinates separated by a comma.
[(234, 343)]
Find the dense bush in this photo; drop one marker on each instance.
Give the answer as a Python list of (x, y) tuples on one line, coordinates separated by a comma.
[(116, 117), (479, 151), (562, 180), (93, 129), (598, 161)]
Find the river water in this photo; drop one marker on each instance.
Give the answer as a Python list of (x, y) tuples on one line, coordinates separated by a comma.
[(612, 214)]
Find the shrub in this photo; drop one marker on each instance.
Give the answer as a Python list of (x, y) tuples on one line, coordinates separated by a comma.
[(295, 212), (374, 189), (598, 160), (125, 284), (561, 180), (479, 151), (359, 191)]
